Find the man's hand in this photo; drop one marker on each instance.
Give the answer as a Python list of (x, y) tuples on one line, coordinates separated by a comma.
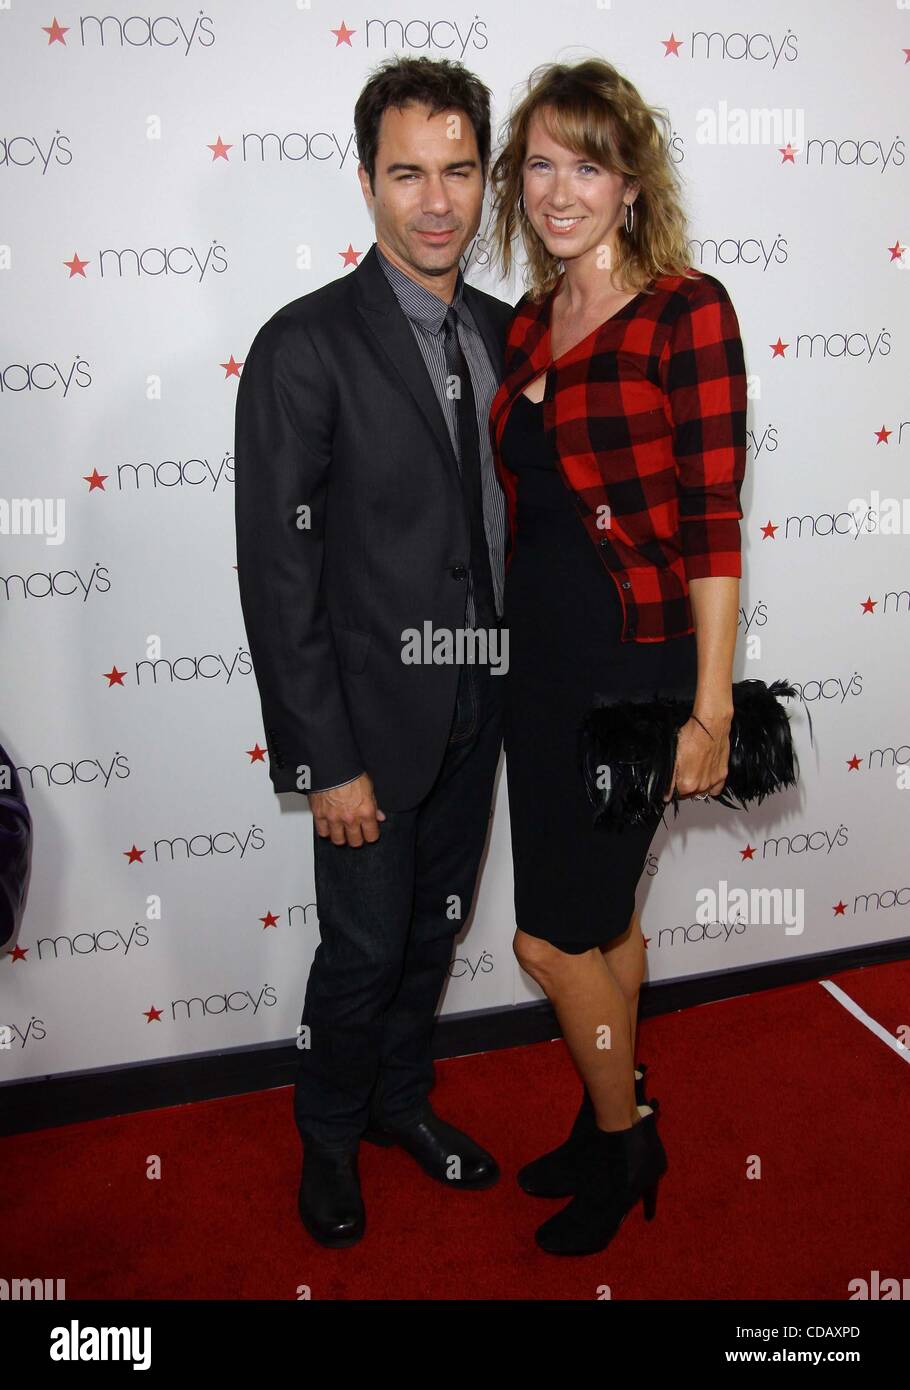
[(349, 814)]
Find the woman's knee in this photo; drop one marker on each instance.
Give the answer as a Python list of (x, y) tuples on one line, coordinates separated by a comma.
[(541, 959)]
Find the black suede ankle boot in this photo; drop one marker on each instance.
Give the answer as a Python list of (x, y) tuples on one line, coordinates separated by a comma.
[(618, 1168), (555, 1174)]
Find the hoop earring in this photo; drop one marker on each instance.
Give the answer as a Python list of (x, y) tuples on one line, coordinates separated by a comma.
[(521, 205), (629, 217)]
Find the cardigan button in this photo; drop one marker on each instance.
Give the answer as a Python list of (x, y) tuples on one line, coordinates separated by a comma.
[(604, 542), (626, 584), (459, 572)]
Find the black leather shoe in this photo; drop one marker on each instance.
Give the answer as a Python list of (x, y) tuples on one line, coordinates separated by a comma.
[(444, 1152), (329, 1199)]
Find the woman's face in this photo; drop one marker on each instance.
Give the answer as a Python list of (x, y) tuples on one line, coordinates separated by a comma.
[(574, 205)]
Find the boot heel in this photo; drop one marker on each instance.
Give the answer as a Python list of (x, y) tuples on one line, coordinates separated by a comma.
[(649, 1199)]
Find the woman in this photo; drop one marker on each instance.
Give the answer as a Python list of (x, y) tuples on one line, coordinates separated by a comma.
[(620, 440)]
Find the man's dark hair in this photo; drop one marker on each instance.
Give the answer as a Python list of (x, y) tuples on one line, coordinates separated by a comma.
[(439, 84)]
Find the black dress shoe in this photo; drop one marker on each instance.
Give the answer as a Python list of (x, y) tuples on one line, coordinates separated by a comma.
[(329, 1199), (446, 1153)]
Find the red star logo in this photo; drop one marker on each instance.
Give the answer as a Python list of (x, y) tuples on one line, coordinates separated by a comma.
[(768, 531), (906, 55), (788, 152), (882, 435), (231, 368), (219, 149), (269, 920), (95, 479), (748, 852), (672, 46), (840, 909), (853, 763), (349, 257), (55, 32), (134, 855), (19, 953), (152, 1015), (646, 940), (896, 251), (778, 349), (869, 604), (256, 754), (76, 267), (343, 35), (113, 676)]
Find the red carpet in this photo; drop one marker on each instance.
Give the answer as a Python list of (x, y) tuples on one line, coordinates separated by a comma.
[(787, 1075)]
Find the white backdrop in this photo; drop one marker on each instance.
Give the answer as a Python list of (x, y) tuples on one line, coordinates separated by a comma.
[(139, 262)]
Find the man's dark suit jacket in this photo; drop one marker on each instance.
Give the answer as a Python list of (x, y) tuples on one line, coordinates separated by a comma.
[(336, 413)]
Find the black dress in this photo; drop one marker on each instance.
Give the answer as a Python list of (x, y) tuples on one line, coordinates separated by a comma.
[(574, 883)]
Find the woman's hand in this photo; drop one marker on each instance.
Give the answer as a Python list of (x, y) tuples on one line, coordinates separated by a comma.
[(702, 756)]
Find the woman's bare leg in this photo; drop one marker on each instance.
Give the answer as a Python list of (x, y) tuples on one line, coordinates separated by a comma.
[(626, 958), (593, 1012)]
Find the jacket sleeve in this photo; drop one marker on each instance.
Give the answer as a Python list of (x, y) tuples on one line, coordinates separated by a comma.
[(282, 454), (704, 378)]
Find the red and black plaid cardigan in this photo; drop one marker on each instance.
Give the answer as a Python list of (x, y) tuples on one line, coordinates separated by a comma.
[(648, 419)]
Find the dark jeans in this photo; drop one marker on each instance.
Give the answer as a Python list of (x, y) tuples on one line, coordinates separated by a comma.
[(388, 916)]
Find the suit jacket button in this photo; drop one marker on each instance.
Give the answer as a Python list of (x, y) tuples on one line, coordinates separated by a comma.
[(459, 572)]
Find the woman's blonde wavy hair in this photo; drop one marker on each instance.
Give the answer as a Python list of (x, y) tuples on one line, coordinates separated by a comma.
[(592, 109)]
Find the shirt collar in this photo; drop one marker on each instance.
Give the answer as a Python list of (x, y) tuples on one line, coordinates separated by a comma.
[(419, 303)]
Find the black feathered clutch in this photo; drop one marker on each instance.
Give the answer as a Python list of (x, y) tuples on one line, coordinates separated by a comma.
[(627, 751), (15, 847)]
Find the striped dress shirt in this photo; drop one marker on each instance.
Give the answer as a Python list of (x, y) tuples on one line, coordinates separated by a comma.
[(426, 314)]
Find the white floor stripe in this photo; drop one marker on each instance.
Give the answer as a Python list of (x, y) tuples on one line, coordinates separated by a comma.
[(874, 1027)]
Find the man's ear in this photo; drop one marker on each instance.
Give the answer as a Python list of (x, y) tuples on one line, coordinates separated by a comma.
[(365, 185)]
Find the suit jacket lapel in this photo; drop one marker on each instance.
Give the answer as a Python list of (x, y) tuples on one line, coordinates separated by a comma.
[(382, 314)]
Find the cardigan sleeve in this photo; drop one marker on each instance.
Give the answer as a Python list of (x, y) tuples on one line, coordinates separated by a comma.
[(704, 378)]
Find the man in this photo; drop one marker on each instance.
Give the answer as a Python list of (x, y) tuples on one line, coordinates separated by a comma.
[(367, 508)]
